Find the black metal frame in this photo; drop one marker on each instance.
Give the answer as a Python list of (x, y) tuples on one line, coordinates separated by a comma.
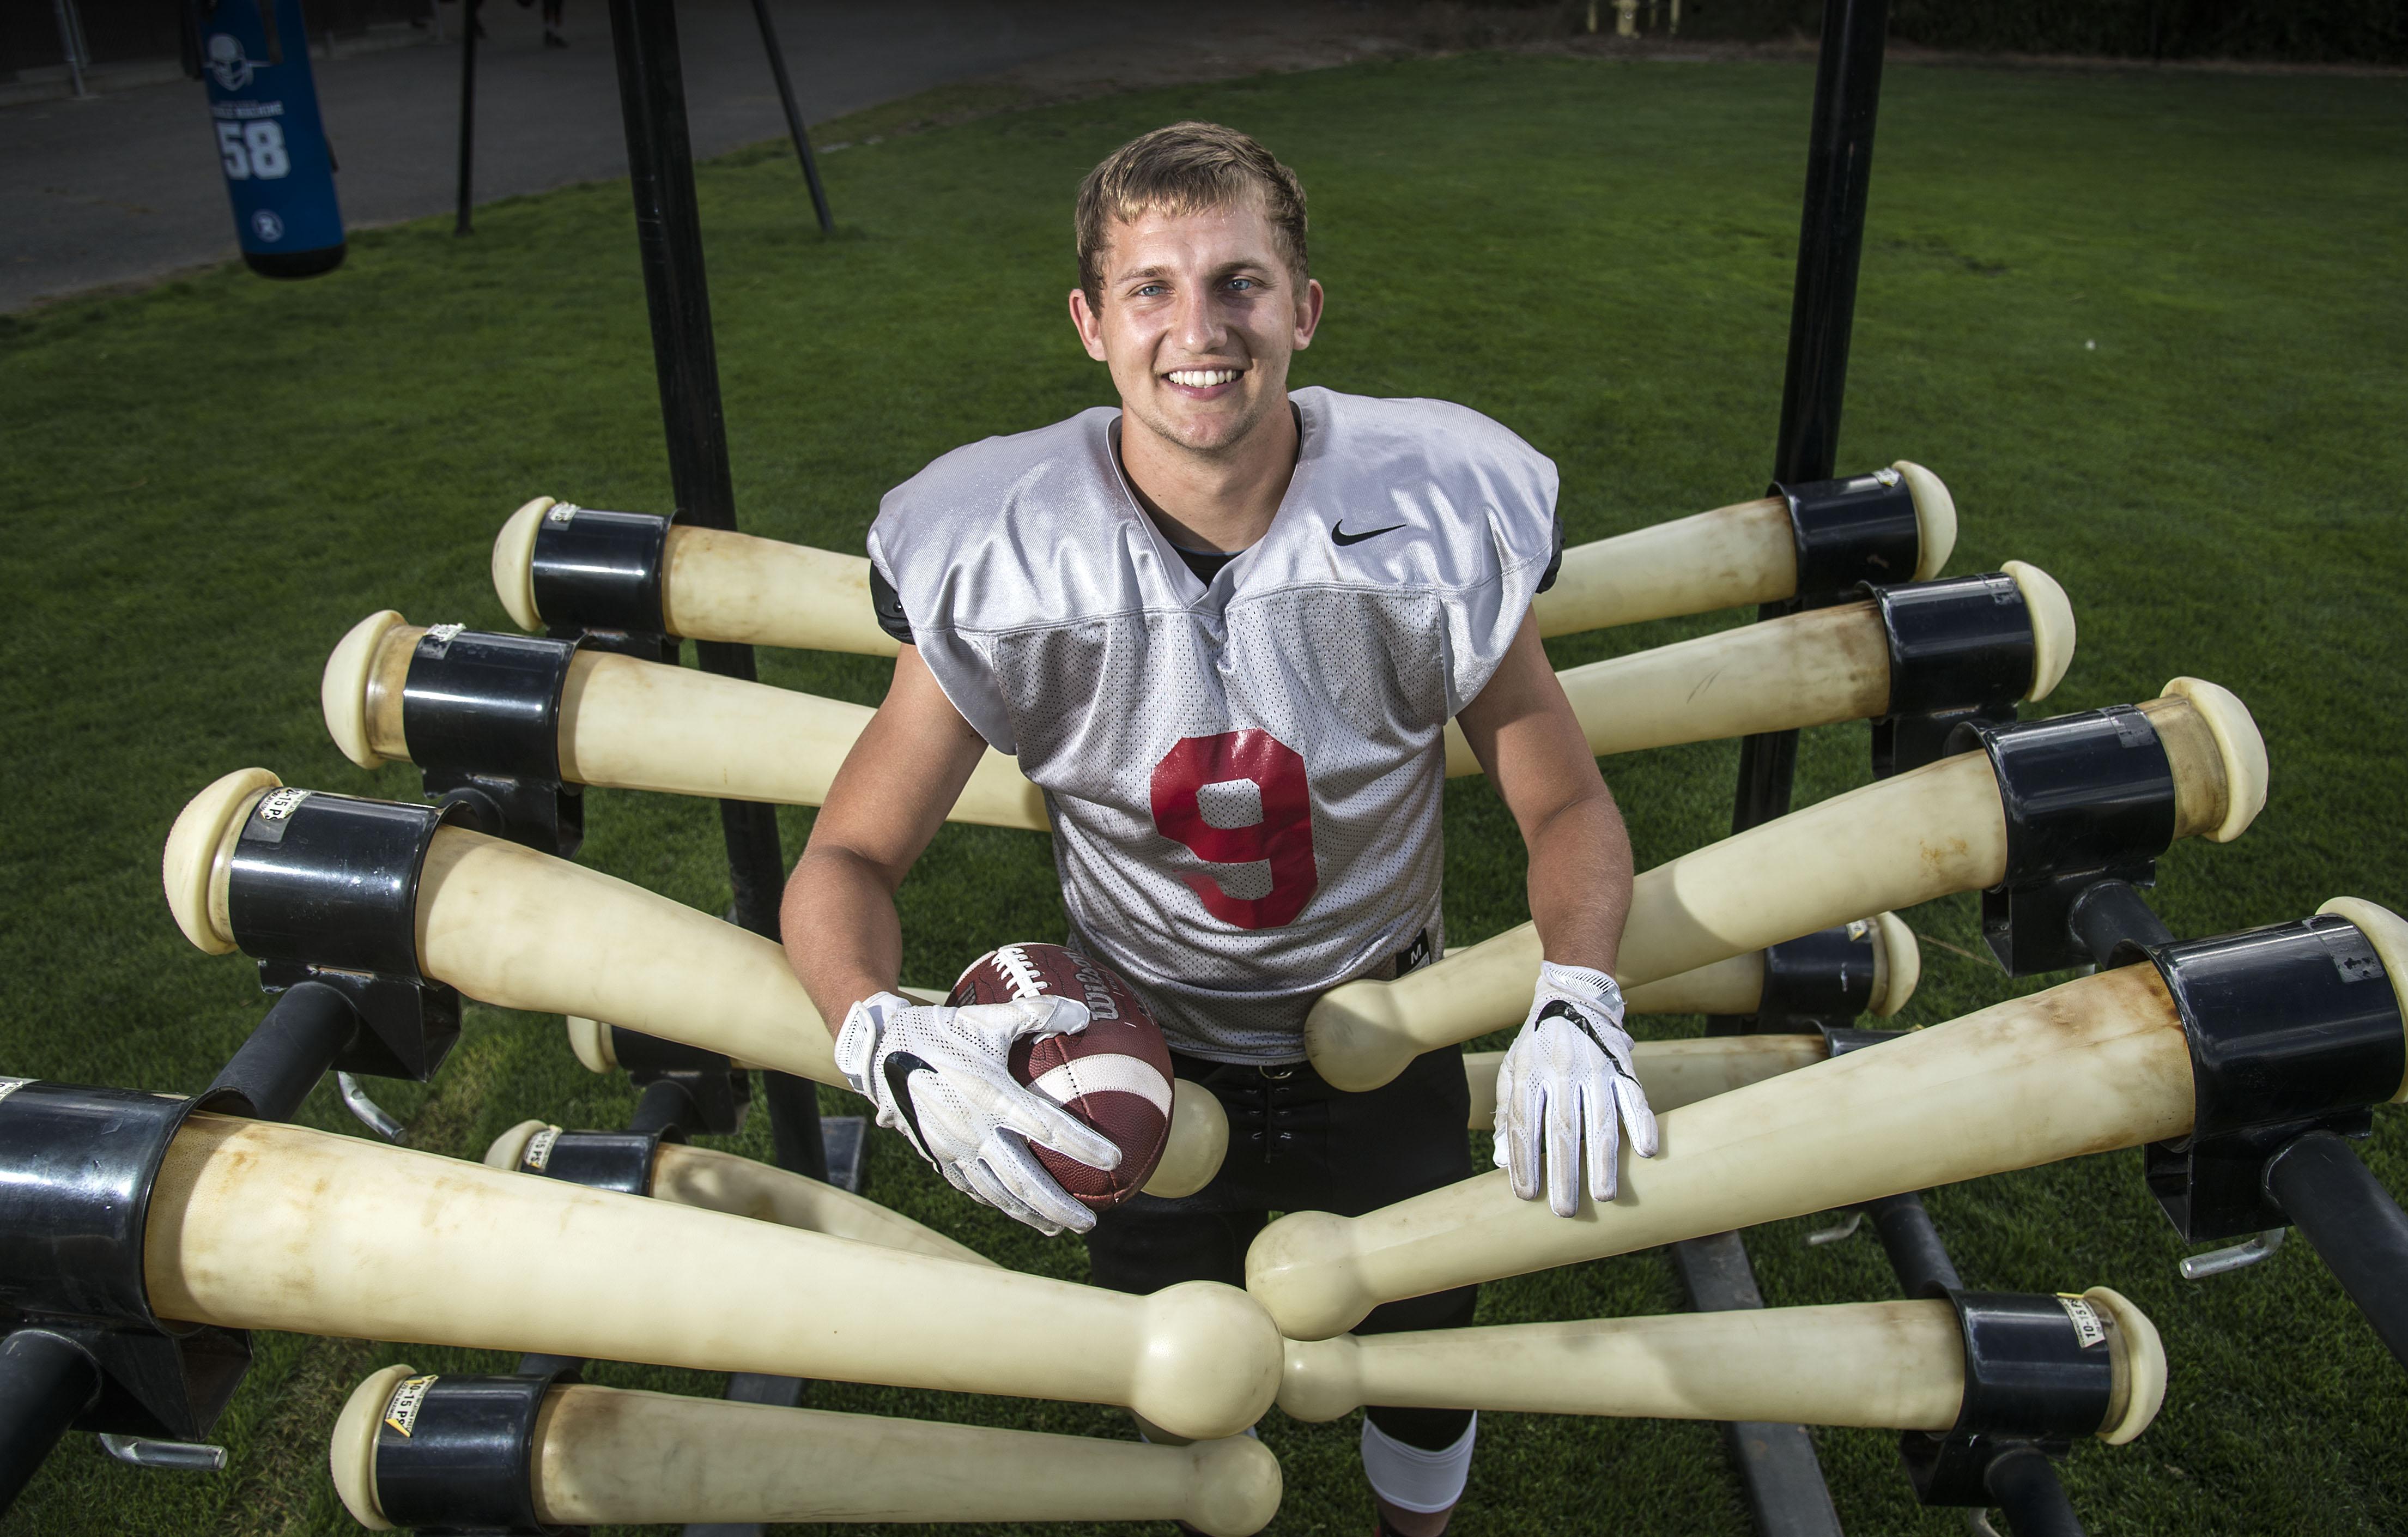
[(685, 359), (2036, 1379), (461, 1457), (1961, 651), (624, 1161), (2292, 1029), (1822, 315), (1785, 1481), (324, 889), (1821, 979), (595, 573), (481, 714), (463, 222), (83, 1161), (2086, 798)]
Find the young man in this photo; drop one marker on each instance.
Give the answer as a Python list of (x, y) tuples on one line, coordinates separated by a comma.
[(1223, 628)]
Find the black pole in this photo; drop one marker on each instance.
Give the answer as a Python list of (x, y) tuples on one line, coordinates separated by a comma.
[(794, 115), (1822, 313), (460, 224), (676, 291), (2109, 914), (663, 1104), (796, 1141), (1912, 1244), (45, 1381), (1777, 1466), (1777, 1463), (2030, 1495), (2344, 1211), (289, 1051)]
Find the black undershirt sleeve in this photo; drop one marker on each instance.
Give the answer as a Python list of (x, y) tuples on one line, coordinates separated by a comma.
[(1554, 561), (888, 605)]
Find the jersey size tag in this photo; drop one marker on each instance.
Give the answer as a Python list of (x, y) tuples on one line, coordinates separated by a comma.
[(2089, 1327)]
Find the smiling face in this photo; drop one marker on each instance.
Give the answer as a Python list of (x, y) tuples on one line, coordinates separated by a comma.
[(1198, 315)]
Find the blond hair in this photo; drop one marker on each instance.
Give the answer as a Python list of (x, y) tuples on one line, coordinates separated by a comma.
[(1188, 167)]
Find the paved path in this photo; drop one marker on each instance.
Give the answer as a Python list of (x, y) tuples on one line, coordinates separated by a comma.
[(125, 187)]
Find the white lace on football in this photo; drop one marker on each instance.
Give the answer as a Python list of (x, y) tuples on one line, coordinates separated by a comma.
[(1017, 969)]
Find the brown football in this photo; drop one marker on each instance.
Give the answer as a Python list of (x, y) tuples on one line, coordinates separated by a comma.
[(1114, 1075)]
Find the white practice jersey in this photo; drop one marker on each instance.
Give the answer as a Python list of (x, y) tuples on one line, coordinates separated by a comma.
[(1243, 776)]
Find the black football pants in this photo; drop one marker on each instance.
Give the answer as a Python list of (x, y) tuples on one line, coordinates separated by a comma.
[(1296, 1145)]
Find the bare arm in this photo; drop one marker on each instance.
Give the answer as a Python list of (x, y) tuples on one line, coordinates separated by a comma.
[(1526, 738), (842, 936)]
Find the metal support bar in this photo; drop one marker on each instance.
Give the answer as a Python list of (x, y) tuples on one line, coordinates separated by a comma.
[(677, 290), (71, 44), (1912, 1244), (164, 1456), (45, 1381), (794, 115), (1786, 1492), (796, 1139), (2255, 1250), (2340, 1206), (2109, 915), (288, 1052), (1822, 313), (460, 223), (367, 1111), (1785, 1482), (664, 1103), (2024, 1483)]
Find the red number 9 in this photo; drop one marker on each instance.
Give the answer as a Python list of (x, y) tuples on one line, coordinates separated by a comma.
[(1284, 837)]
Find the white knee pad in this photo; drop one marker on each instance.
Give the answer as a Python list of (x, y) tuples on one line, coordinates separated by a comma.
[(1413, 1479)]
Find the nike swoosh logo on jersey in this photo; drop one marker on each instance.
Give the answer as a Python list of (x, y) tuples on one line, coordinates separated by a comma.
[(1340, 537)]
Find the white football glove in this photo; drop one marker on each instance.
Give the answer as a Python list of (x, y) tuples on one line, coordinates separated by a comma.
[(1568, 1075), (943, 1077)]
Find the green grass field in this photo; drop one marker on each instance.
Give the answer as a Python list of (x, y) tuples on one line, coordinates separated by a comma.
[(2150, 328)]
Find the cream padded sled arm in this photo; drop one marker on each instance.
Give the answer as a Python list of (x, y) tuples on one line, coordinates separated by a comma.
[(257, 1225), (2097, 1064), (632, 724), (1893, 1366), (722, 1182), (1674, 1072), (1929, 832), (1818, 667), (519, 930), (1733, 555), (720, 585), (717, 585), (1680, 1072), (603, 1454)]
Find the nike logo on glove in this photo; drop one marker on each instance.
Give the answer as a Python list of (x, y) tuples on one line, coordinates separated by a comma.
[(1559, 1009), (898, 1068), (1340, 537)]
